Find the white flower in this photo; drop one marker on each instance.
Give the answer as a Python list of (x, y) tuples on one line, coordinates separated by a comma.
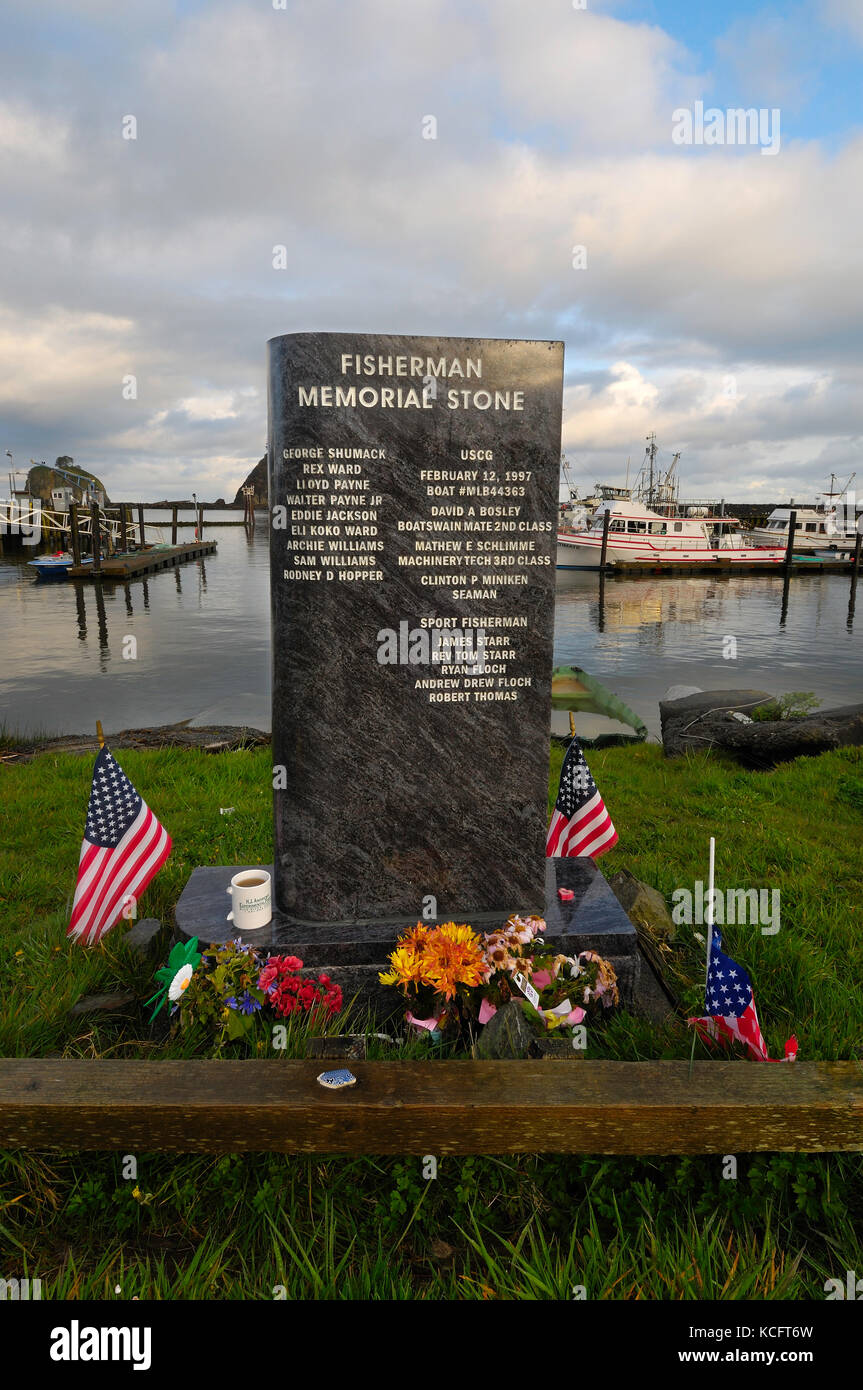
[(180, 982)]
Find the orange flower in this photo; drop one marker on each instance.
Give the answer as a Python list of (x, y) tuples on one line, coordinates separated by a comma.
[(453, 957)]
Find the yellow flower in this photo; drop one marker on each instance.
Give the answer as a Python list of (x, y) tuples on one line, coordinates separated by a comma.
[(461, 933), (405, 967)]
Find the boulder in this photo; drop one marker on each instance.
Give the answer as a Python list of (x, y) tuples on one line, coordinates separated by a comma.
[(644, 906), (346, 1047), (143, 936), (508, 1034), (691, 721), (762, 743), (556, 1049)]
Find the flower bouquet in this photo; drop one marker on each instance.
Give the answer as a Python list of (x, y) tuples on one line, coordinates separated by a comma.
[(452, 976), (225, 989), (437, 968)]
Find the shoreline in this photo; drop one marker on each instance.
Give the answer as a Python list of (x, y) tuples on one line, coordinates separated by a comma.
[(210, 738)]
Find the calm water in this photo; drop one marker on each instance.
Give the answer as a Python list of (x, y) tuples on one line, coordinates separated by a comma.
[(203, 639)]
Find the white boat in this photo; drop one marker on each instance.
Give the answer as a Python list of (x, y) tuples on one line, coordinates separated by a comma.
[(817, 528), (829, 525), (639, 535)]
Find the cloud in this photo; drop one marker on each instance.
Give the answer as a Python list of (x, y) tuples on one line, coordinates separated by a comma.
[(303, 128), (847, 15)]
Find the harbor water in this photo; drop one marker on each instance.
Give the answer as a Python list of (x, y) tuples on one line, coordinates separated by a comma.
[(193, 643)]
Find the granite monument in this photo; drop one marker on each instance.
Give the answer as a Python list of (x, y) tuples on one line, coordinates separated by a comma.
[(413, 491)]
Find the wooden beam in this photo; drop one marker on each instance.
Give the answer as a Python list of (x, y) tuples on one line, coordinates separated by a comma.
[(432, 1107)]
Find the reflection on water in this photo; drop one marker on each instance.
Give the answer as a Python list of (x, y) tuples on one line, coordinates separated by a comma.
[(642, 635), (202, 636), (200, 649)]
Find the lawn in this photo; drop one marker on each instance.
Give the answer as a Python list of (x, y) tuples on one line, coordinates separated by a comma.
[(503, 1227)]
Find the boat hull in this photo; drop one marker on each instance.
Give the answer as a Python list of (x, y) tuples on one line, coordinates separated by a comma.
[(583, 553)]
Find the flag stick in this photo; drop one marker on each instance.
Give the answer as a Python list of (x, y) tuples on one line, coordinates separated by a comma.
[(99, 734), (709, 939)]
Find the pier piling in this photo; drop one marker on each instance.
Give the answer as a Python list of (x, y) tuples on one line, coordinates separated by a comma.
[(96, 538), (74, 533), (789, 551), (606, 520)]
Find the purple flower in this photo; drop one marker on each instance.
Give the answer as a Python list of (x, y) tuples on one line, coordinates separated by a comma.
[(247, 1004)]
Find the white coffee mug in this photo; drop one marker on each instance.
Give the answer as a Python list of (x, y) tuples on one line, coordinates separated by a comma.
[(251, 899)]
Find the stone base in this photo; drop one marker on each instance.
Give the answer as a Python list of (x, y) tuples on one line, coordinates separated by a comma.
[(354, 951)]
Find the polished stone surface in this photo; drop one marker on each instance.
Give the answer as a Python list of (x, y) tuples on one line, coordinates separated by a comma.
[(593, 920), (353, 952), (388, 796)]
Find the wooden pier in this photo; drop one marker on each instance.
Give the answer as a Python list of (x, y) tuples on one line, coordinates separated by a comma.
[(799, 565), (120, 567)]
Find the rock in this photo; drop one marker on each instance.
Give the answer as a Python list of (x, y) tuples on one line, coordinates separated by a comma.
[(678, 692), (762, 743), (143, 936), (508, 1034), (104, 1003), (645, 906), (556, 1049), (687, 722), (344, 1048)]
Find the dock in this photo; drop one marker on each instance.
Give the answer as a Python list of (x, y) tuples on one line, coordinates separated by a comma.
[(799, 565), (130, 566)]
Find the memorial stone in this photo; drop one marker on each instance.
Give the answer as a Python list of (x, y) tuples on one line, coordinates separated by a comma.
[(413, 488), (413, 494)]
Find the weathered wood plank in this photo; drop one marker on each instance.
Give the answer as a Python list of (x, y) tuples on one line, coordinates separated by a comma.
[(432, 1107)]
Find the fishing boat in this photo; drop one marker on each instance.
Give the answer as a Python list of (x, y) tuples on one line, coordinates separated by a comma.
[(829, 525), (639, 535), (649, 525)]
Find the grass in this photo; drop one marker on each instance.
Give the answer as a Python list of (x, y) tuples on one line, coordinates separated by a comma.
[(534, 1227)]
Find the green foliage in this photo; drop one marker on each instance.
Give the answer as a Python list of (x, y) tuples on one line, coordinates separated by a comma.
[(794, 705), (529, 1226), (224, 974)]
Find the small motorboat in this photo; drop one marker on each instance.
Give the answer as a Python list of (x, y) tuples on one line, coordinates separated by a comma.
[(54, 566)]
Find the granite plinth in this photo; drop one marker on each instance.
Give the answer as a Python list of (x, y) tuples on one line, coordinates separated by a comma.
[(413, 483), (353, 951)]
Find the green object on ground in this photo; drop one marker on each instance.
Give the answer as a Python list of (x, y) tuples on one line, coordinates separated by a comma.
[(573, 689)]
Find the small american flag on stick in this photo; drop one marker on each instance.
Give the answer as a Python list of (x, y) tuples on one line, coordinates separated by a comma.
[(729, 1006), (580, 823), (124, 847)]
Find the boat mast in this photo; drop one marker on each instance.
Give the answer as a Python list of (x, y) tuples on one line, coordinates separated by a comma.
[(651, 455)]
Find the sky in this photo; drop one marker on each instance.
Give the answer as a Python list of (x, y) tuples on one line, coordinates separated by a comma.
[(710, 293)]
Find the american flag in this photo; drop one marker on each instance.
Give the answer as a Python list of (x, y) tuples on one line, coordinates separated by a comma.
[(124, 846), (580, 823), (729, 1006)]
